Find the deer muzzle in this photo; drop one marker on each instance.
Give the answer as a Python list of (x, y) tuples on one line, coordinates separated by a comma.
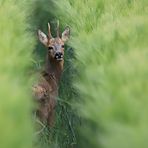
[(59, 56)]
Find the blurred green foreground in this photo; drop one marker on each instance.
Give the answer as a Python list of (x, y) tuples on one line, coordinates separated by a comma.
[(15, 57), (110, 40)]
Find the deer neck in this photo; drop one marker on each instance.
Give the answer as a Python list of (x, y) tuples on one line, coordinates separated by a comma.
[(54, 68)]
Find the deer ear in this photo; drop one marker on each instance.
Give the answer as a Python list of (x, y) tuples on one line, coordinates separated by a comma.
[(42, 37), (66, 34)]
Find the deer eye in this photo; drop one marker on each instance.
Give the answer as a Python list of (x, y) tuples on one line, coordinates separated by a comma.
[(50, 47), (63, 46)]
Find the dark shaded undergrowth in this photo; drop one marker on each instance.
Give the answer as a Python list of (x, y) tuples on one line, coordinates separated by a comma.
[(63, 134)]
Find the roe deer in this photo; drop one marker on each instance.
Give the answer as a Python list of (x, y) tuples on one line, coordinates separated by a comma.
[(46, 91)]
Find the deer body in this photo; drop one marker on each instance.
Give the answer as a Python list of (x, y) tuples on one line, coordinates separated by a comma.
[(46, 91)]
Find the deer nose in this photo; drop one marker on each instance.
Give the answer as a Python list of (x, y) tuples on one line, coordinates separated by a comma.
[(58, 55)]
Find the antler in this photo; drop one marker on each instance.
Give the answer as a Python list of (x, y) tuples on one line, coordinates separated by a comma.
[(58, 29), (49, 33)]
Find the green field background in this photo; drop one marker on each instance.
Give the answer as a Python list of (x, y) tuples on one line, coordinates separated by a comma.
[(103, 95)]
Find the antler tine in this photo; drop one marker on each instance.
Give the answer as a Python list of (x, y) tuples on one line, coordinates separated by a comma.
[(49, 32), (58, 29)]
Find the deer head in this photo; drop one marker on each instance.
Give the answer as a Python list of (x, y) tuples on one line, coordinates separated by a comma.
[(55, 45)]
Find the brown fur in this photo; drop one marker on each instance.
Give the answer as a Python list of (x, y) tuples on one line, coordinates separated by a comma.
[(46, 91)]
